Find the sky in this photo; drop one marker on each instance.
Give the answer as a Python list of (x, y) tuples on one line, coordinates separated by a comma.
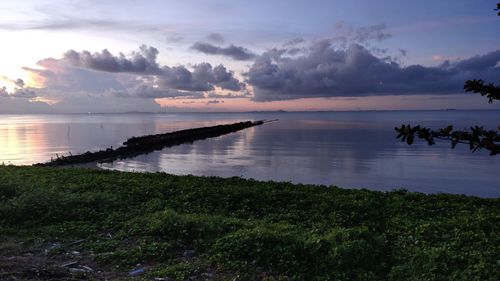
[(64, 56)]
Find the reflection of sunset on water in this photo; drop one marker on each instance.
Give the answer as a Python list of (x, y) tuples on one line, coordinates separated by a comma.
[(22, 143)]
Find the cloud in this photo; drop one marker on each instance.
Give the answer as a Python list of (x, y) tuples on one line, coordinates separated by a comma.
[(57, 25), (19, 82), (12, 105), (72, 23), (145, 91), (328, 72), (228, 96), (232, 51), (143, 61), (164, 80), (4, 92), (294, 41), (73, 90), (24, 93), (137, 75), (16, 82), (360, 35), (60, 78), (204, 77), (216, 37), (19, 91)]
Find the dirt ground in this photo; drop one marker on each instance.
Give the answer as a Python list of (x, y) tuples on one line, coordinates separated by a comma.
[(49, 261)]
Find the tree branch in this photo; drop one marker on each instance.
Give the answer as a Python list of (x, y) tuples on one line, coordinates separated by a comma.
[(476, 137), (491, 91)]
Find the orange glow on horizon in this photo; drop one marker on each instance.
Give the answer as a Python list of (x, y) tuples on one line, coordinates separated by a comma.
[(393, 102), (245, 104)]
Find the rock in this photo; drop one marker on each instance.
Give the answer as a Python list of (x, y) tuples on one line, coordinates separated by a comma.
[(136, 272), (71, 263), (89, 269), (77, 270)]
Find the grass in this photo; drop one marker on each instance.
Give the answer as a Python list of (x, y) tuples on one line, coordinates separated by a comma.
[(208, 228)]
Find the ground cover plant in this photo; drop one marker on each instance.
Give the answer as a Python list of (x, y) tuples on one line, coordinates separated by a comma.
[(78, 224)]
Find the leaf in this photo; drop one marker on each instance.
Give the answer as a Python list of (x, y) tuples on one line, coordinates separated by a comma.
[(410, 139)]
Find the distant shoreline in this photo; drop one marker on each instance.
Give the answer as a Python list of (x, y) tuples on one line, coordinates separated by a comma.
[(254, 112)]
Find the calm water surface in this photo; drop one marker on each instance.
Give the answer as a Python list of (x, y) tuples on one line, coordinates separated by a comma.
[(348, 149)]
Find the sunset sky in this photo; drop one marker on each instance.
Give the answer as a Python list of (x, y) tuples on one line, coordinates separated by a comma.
[(120, 56)]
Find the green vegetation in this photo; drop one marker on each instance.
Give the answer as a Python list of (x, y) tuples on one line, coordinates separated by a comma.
[(199, 228)]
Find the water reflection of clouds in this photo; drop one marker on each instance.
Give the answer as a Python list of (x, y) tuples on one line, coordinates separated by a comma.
[(347, 149), (325, 152), (285, 150)]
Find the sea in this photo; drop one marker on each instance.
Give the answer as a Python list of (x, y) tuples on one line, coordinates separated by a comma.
[(348, 149)]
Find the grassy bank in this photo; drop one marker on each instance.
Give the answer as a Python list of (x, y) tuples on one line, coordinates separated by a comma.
[(103, 224)]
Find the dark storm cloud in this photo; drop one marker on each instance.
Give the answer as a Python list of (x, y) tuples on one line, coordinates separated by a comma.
[(203, 77), (143, 61), (232, 51), (154, 81), (480, 63), (328, 72)]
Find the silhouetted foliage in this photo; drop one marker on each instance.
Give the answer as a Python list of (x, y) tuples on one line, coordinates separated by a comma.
[(476, 137), (491, 91)]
